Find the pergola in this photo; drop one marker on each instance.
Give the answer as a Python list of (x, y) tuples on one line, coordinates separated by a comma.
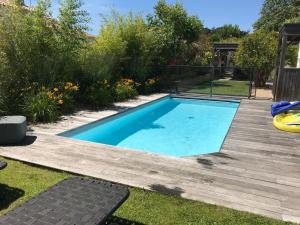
[(223, 51), (287, 80)]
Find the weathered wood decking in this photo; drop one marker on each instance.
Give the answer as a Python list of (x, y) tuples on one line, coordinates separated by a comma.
[(257, 170)]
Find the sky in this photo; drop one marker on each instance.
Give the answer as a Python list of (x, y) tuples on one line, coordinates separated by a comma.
[(213, 13)]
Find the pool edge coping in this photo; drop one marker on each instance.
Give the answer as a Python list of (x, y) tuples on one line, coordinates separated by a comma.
[(110, 117)]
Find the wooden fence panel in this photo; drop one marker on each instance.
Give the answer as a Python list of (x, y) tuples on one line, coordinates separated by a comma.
[(288, 85)]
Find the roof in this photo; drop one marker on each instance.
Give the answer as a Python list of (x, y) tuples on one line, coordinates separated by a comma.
[(292, 31), (90, 36), (4, 2), (226, 46)]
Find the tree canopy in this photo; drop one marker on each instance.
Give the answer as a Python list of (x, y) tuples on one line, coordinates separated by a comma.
[(258, 50), (274, 13), (228, 31), (175, 29)]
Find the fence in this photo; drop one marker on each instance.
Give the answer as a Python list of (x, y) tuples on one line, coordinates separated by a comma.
[(287, 86), (209, 80)]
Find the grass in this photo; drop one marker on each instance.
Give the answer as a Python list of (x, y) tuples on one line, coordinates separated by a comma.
[(19, 182), (224, 87)]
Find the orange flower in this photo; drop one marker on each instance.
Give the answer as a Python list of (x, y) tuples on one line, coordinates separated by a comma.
[(150, 82), (50, 95), (60, 102), (75, 88)]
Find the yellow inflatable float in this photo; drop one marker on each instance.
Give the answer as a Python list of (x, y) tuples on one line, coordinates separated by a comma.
[(288, 122)]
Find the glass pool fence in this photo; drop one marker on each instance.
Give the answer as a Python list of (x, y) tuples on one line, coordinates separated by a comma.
[(208, 80)]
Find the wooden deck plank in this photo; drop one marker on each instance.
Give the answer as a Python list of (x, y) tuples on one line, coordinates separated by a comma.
[(257, 170)]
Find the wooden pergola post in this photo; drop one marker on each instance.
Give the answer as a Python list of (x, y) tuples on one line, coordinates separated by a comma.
[(287, 79), (298, 60), (281, 61)]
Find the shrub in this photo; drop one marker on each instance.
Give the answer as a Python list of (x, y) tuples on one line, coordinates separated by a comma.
[(125, 89), (41, 107), (37, 49), (124, 46), (139, 45), (102, 59), (12, 95), (98, 94), (174, 31), (152, 85), (3, 108), (64, 95), (258, 50), (240, 74)]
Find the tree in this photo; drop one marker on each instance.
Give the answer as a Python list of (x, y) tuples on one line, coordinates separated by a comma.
[(174, 29), (139, 44), (124, 48), (258, 50), (200, 51), (25, 50), (18, 2), (102, 59), (37, 50), (72, 25), (43, 43), (227, 31), (71, 34), (274, 13)]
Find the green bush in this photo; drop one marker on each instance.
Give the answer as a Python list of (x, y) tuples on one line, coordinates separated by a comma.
[(12, 95), (3, 108), (258, 50), (175, 32), (41, 107), (102, 59), (124, 46), (124, 90), (37, 49), (98, 94), (65, 94), (152, 85)]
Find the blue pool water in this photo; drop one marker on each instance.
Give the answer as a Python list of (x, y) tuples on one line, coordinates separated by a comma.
[(171, 126)]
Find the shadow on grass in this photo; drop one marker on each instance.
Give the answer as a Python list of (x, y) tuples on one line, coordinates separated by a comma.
[(115, 220), (165, 190), (9, 195)]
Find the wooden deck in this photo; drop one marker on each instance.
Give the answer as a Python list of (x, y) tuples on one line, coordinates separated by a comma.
[(257, 170)]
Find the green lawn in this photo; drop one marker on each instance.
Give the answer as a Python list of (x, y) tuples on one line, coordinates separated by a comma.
[(224, 87), (19, 182)]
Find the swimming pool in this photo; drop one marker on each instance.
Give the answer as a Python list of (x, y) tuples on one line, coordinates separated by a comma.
[(170, 126)]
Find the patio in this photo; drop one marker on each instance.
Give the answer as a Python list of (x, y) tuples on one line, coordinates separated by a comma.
[(257, 170)]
